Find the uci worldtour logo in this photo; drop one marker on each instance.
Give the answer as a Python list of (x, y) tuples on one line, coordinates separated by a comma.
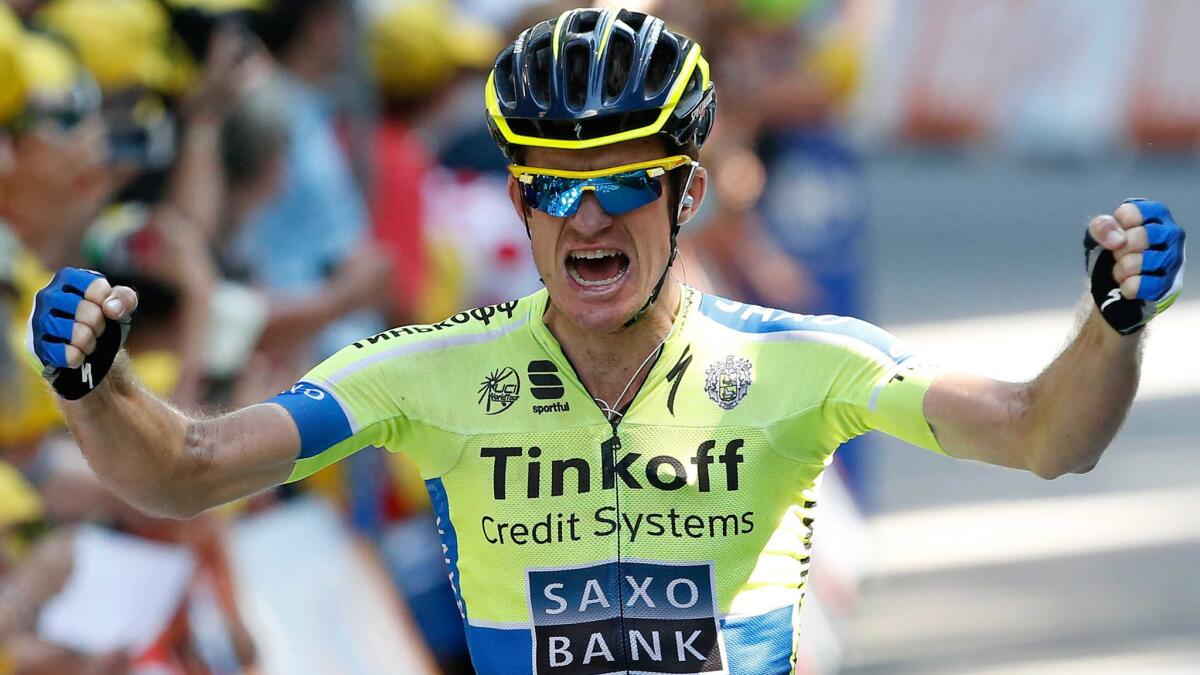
[(499, 390), (613, 617)]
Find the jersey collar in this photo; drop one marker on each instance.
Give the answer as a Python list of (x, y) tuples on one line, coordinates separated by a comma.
[(672, 349)]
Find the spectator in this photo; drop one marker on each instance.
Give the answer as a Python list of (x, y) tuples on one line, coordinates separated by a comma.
[(311, 244), (52, 184)]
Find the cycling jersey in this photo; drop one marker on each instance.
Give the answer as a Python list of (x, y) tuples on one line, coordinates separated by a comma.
[(676, 541)]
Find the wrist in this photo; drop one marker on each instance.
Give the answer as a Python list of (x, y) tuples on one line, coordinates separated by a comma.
[(118, 384)]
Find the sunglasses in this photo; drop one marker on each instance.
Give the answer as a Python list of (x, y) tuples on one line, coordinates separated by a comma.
[(65, 112), (619, 189)]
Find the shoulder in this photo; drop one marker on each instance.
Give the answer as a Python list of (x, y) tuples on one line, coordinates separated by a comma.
[(764, 324), (478, 328)]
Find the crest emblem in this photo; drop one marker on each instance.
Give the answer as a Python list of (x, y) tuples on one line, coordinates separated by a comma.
[(727, 381)]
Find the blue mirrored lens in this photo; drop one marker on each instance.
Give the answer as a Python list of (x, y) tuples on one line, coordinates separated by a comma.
[(617, 194)]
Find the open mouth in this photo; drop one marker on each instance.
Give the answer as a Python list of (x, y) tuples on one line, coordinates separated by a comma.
[(597, 268)]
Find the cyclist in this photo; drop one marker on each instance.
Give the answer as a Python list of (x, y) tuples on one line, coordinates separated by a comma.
[(622, 467)]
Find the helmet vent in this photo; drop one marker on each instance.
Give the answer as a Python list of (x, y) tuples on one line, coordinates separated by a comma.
[(692, 94), (584, 21), (578, 65), (616, 70), (635, 20), (661, 67), (539, 80), (505, 80)]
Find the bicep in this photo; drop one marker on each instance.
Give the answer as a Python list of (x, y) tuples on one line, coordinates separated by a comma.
[(975, 417), (243, 452)]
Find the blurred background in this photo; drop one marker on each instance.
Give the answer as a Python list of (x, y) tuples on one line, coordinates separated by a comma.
[(278, 178)]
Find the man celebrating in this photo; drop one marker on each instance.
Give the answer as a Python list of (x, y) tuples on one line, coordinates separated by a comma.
[(622, 467)]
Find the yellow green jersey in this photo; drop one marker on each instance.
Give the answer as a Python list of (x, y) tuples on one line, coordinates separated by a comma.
[(676, 540)]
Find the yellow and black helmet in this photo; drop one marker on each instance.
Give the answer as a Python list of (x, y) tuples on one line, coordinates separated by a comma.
[(595, 77)]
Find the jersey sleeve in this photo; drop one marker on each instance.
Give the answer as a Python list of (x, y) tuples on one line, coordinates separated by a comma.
[(390, 391), (880, 385), (338, 410)]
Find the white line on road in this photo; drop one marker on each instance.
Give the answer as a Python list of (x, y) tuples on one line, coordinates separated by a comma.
[(943, 538), (1166, 660), (1017, 346)]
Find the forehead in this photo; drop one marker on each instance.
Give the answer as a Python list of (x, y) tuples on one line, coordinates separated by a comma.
[(620, 154)]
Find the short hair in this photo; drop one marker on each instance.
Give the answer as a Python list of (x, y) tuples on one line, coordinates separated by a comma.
[(279, 26), (254, 133)]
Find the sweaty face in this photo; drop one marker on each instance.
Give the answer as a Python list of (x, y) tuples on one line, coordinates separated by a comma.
[(600, 268)]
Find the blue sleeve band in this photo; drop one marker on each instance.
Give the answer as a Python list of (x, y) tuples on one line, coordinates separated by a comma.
[(317, 414)]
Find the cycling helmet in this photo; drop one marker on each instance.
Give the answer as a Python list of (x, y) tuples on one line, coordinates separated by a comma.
[(595, 77)]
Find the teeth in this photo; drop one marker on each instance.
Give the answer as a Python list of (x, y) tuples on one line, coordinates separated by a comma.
[(602, 282), (597, 254)]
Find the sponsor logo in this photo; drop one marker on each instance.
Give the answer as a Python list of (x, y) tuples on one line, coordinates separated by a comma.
[(306, 389), (482, 315), (727, 381), (613, 617), (556, 407), (675, 376), (1114, 295), (663, 472), (544, 383), (499, 390)]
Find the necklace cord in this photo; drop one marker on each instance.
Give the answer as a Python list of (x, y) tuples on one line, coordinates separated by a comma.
[(608, 410)]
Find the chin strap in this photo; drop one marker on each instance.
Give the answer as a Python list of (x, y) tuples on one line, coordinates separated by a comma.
[(662, 279)]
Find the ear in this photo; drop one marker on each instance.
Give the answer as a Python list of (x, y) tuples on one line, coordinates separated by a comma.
[(514, 196), (694, 197)]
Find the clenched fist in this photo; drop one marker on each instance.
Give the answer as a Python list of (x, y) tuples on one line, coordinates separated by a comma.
[(78, 325), (1135, 260)]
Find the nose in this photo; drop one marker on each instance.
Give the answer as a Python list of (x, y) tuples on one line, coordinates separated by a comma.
[(589, 219)]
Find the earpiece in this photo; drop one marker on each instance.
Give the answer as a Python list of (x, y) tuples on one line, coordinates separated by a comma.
[(688, 200)]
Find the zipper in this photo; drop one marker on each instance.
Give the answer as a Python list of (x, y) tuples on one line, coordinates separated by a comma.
[(608, 450)]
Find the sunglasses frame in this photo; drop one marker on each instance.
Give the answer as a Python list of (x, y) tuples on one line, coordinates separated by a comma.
[(654, 168)]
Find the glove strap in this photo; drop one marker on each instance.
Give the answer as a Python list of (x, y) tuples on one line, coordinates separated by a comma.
[(75, 383)]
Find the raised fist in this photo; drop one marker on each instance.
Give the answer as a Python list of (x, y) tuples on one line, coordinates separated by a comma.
[(1135, 260), (78, 325)]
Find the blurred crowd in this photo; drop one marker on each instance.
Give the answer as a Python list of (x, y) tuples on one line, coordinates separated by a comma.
[(279, 178)]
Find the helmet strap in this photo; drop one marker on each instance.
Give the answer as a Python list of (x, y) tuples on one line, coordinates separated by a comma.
[(662, 278)]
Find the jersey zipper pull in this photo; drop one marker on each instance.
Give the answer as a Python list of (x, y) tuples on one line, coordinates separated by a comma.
[(613, 444)]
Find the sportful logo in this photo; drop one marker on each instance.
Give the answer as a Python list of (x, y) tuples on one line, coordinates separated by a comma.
[(544, 382), (648, 617), (499, 390), (727, 381), (546, 385)]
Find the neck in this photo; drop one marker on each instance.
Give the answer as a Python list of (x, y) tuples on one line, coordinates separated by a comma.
[(611, 363)]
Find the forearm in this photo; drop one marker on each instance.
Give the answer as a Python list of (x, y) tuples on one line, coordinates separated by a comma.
[(136, 443), (1058, 423), (360, 282), (194, 322), (1076, 406), (196, 186)]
